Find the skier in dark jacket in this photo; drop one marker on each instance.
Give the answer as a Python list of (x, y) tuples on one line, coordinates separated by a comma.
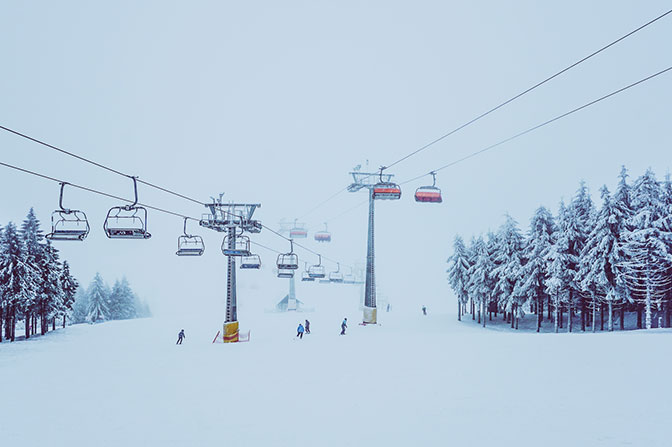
[(180, 337), (307, 327), (299, 331), (344, 326), (424, 310)]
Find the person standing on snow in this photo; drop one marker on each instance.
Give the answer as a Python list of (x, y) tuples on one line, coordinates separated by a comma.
[(299, 331), (180, 337), (424, 310), (307, 327), (344, 326)]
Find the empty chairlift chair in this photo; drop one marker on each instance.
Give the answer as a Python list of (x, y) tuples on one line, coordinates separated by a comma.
[(127, 221), (336, 276), (298, 231), (250, 262), (305, 276), (188, 244), (67, 224), (240, 246), (323, 236), (317, 271), (287, 263), (386, 190), (429, 194)]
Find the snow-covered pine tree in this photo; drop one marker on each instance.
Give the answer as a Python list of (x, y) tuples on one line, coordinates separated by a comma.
[(535, 271), (69, 287), (480, 277), (507, 272), (601, 256), (97, 300), (647, 257), (580, 220), (15, 288), (32, 237), (493, 296), (49, 298), (80, 306), (458, 274), (122, 301), (667, 200), (471, 255), (623, 207)]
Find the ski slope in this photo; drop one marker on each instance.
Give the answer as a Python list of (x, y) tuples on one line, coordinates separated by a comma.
[(413, 380)]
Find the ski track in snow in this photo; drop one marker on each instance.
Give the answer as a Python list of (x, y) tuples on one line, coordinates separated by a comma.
[(413, 380)]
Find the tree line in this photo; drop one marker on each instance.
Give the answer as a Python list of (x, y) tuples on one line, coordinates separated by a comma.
[(586, 262), (35, 286), (100, 303)]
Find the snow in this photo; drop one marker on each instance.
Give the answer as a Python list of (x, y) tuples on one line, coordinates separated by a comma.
[(413, 380)]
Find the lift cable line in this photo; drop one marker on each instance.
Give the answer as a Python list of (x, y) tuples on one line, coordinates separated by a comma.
[(162, 210), (99, 165), (94, 191), (520, 134), (539, 84), (508, 101)]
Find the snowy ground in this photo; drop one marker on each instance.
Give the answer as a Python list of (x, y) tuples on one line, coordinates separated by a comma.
[(414, 380)]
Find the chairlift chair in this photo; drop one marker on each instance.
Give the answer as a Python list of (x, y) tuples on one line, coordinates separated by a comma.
[(336, 276), (285, 273), (288, 261), (241, 246), (323, 236), (298, 231), (250, 262), (305, 276), (127, 221), (317, 271), (386, 190), (188, 244), (429, 194), (67, 224)]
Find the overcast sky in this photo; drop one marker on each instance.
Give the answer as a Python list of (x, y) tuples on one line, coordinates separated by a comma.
[(274, 102)]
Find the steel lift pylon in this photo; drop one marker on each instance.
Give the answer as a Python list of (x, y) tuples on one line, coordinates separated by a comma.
[(229, 218)]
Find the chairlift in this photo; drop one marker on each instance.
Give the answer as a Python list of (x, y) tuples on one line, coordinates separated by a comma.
[(305, 276), (285, 273), (349, 278), (317, 271), (323, 236), (67, 224), (288, 262), (298, 231), (250, 262), (336, 276), (127, 221), (188, 244), (429, 194), (240, 246), (386, 190)]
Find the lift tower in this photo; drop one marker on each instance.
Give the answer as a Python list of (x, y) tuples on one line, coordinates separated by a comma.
[(229, 218), (368, 181)]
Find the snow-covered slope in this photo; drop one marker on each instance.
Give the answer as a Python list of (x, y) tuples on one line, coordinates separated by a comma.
[(413, 380)]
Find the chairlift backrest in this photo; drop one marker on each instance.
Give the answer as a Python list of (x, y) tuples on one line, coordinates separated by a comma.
[(189, 245), (250, 262), (239, 247), (67, 224)]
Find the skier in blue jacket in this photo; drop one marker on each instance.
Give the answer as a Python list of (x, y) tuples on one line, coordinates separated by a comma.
[(180, 337), (299, 331), (344, 326)]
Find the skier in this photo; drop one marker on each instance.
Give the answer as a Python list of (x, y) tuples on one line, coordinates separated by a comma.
[(344, 326), (388, 307), (180, 337), (424, 310), (299, 331), (307, 327)]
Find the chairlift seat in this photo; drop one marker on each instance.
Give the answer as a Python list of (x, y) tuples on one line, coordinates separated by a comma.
[(123, 222), (386, 191), (428, 194), (323, 236), (336, 277), (188, 245), (241, 247), (250, 262), (285, 273), (68, 225), (288, 261), (298, 233)]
